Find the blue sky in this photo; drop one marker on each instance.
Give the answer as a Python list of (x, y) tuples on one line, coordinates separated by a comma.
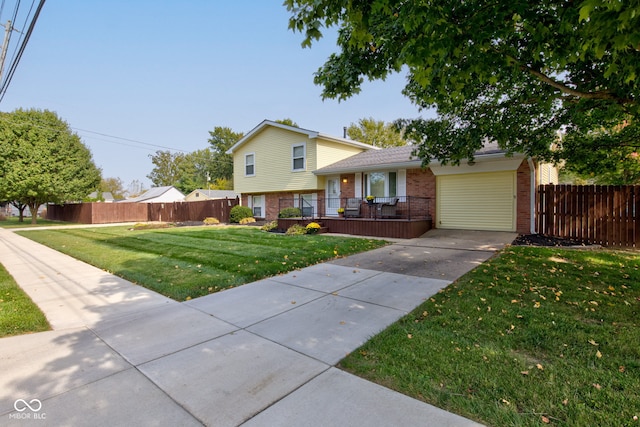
[(166, 73)]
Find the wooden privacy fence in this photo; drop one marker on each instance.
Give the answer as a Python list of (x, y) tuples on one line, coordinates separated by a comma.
[(106, 213), (602, 214)]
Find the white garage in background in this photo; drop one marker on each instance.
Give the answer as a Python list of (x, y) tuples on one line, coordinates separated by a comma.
[(478, 196)]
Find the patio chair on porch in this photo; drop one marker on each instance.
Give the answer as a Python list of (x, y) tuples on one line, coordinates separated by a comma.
[(352, 207), (389, 209)]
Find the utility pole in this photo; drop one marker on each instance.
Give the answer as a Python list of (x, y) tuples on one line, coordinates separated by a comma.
[(5, 46)]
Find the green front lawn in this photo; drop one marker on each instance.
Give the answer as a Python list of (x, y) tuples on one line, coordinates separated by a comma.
[(533, 337), (13, 222), (18, 314), (184, 263)]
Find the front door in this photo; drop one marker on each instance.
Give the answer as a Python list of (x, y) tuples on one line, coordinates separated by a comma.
[(333, 195)]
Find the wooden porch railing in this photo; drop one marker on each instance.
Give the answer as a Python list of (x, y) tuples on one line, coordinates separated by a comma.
[(405, 207)]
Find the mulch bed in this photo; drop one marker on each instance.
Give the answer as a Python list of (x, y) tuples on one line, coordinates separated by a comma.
[(540, 240)]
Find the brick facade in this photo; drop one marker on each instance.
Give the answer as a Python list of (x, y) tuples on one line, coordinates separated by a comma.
[(523, 202), (419, 183)]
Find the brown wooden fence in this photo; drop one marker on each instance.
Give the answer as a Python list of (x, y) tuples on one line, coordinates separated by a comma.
[(106, 213), (608, 215)]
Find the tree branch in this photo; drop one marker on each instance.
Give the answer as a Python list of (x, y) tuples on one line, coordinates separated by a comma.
[(602, 94)]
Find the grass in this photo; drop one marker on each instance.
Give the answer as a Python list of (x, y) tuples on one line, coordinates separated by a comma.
[(188, 262), (12, 222), (532, 337), (18, 314)]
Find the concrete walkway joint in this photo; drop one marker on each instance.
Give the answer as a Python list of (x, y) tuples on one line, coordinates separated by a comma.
[(262, 354)]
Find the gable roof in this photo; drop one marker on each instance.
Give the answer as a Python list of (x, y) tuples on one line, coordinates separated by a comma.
[(309, 133), (216, 194), (396, 157), (152, 193)]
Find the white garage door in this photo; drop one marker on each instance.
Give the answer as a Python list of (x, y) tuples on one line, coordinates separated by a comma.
[(477, 201)]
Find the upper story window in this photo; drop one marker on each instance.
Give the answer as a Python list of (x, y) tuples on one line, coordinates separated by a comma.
[(249, 164), (298, 157)]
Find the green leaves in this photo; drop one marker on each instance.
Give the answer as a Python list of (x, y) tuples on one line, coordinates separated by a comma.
[(43, 161), (508, 71)]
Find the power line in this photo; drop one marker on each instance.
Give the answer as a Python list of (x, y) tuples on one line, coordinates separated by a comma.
[(129, 140), (23, 45)]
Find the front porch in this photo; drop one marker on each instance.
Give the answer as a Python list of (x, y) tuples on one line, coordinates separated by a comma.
[(385, 228), (395, 217)]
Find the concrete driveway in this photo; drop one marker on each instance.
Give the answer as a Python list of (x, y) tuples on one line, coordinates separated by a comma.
[(438, 254), (262, 354)]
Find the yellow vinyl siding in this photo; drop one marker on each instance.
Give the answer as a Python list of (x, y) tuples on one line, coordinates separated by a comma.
[(478, 201), (273, 161), (273, 167), (330, 152)]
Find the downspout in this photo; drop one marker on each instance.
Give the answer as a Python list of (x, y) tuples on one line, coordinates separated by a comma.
[(532, 168)]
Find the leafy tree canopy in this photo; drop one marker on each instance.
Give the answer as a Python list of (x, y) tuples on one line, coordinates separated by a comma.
[(167, 168), (515, 72), (376, 133), (113, 186), (287, 122), (221, 139), (43, 161)]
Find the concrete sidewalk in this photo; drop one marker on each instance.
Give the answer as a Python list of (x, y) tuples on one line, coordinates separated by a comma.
[(260, 354)]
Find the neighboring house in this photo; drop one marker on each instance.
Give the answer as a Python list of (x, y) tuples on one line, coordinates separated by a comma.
[(198, 195), (106, 196), (166, 194), (494, 192)]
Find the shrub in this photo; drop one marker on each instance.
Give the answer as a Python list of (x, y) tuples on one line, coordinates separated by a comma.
[(272, 225), (238, 212), (295, 230), (211, 221), (290, 213), (244, 221), (313, 227)]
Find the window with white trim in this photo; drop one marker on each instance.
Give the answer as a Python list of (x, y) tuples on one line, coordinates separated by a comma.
[(249, 164), (381, 184), (256, 206), (298, 157)]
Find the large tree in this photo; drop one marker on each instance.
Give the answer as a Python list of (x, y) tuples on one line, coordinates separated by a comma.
[(221, 139), (167, 168), (196, 170), (113, 186), (515, 72), (43, 161), (376, 133)]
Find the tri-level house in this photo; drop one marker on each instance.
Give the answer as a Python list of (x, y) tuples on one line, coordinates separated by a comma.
[(278, 166)]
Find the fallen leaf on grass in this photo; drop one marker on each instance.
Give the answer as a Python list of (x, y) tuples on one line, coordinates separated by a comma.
[(524, 372), (545, 419), (621, 369), (598, 354), (409, 336), (592, 342), (597, 386), (539, 366)]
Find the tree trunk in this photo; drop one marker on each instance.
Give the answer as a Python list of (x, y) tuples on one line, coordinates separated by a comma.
[(33, 208)]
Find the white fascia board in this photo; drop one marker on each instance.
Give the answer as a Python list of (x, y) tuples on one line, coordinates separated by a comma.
[(310, 134), (383, 166), (348, 142), (497, 162)]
